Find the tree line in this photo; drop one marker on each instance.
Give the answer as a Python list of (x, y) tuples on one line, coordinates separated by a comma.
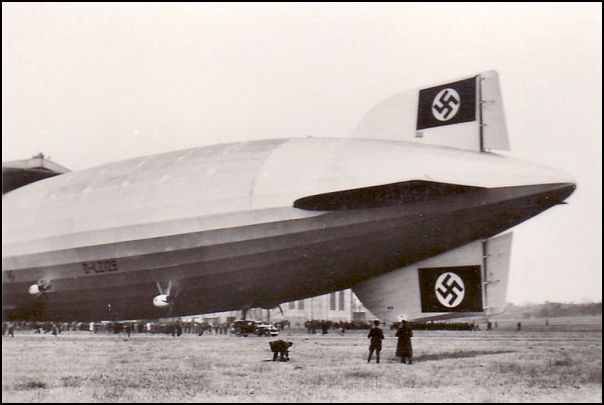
[(554, 309)]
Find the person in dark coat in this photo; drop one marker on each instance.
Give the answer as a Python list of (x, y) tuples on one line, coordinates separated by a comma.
[(280, 348), (404, 350), (375, 344), (11, 330)]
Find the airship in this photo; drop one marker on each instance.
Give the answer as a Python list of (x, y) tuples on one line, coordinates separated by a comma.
[(412, 212)]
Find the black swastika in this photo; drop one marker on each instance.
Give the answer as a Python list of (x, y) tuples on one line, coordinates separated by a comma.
[(450, 291), (446, 102)]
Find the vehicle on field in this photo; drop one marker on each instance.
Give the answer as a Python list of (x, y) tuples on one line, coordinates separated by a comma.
[(246, 328), (266, 329)]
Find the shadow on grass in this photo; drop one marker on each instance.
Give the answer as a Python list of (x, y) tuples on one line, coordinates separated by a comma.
[(457, 355)]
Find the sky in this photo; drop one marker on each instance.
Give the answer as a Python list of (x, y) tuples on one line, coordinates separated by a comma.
[(88, 84)]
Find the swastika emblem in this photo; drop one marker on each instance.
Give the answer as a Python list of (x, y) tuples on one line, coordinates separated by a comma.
[(449, 289), (446, 104)]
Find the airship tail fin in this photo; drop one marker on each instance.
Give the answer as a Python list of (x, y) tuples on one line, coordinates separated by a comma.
[(468, 281), (465, 113)]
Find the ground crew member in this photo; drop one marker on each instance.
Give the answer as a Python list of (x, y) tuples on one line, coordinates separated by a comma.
[(404, 350), (280, 348), (375, 344)]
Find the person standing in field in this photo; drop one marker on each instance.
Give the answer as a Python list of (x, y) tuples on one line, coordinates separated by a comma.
[(375, 345), (11, 330), (404, 349)]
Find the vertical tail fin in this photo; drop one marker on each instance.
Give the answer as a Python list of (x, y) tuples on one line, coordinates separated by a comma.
[(465, 114), (468, 281)]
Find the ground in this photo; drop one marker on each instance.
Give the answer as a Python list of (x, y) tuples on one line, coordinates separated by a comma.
[(558, 363)]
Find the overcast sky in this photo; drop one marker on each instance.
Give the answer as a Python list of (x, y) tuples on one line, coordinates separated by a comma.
[(92, 83)]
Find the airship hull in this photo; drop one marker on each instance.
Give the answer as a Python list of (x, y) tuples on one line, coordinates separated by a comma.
[(261, 265)]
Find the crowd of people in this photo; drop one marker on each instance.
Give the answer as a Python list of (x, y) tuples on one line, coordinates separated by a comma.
[(176, 328), (324, 326), (180, 327)]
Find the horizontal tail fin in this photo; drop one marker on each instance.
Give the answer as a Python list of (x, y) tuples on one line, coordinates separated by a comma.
[(468, 281), (382, 196), (465, 114)]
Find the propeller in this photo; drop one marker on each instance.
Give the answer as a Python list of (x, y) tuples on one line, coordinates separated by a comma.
[(165, 298), (39, 289)]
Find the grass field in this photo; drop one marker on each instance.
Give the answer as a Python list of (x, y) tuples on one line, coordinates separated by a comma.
[(553, 365)]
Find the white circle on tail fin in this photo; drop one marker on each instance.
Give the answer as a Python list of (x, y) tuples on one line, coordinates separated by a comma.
[(446, 104), (449, 289)]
